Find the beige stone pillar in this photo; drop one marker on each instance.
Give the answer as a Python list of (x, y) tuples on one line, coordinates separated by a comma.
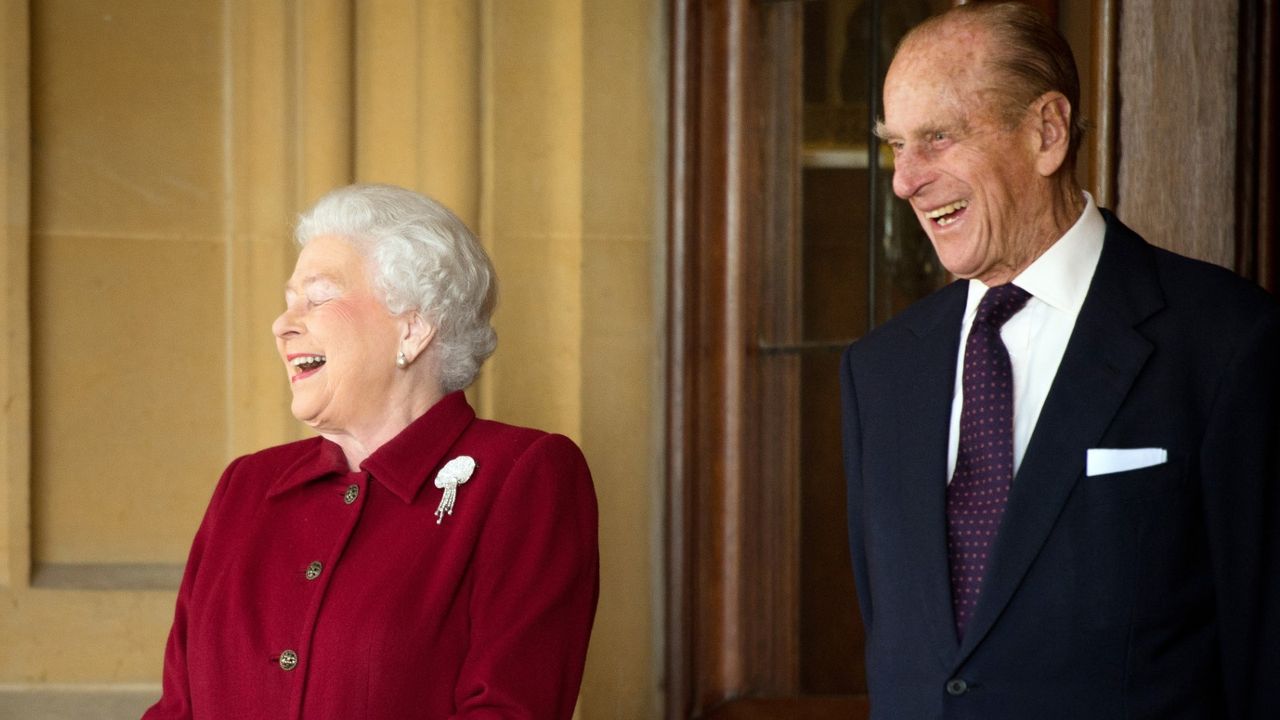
[(573, 118), (15, 424), (417, 100), (532, 208)]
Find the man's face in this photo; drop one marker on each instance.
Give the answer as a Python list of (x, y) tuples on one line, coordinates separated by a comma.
[(970, 179)]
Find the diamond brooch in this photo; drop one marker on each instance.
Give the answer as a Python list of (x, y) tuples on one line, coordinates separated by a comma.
[(454, 473)]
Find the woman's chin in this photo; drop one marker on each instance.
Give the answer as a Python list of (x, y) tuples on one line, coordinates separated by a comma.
[(305, 414)]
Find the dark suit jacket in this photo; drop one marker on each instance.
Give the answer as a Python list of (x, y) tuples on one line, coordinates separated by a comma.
[(1153, 593)]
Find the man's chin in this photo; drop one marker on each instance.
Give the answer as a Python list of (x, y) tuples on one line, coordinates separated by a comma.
[(958, 256)]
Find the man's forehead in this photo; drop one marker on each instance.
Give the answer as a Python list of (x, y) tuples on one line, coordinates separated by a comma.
[(931, 82), (958, 39), (945, 58), (931, 100)]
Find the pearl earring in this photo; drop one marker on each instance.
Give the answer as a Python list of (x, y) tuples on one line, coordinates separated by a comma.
[(401, 360)]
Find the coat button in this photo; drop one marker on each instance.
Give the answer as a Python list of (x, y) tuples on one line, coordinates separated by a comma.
[(314, 569), (353, 491), (288, 660), (956, 686)]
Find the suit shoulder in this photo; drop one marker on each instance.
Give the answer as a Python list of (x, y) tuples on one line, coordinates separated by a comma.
[(1191, 287), (1212, 290), (1209, 309), (939, 308)]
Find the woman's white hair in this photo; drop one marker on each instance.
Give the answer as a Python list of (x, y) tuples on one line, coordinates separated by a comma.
[(424, 258)]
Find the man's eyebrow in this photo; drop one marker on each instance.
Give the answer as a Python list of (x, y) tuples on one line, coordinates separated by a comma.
[(881, 131), (929, 131)]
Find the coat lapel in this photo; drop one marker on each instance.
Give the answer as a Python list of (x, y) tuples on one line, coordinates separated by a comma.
[(924, 420), (1102, 359)]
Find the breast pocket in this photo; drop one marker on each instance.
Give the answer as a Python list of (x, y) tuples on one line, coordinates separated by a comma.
[(1134, 485)]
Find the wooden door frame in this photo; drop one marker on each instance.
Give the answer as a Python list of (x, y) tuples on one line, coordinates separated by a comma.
[(731, 547), (1257, 256)]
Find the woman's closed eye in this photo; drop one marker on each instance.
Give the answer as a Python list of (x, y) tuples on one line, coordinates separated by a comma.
[(319, 293)]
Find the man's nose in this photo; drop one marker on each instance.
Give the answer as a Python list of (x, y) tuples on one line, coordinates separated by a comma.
[(910, 173)]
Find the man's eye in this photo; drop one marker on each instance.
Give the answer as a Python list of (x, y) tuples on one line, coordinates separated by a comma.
[(939, 136), (895, 146)]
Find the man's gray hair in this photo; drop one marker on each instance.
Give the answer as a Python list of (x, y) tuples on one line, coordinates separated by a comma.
[(1029, 57), (424, 258)]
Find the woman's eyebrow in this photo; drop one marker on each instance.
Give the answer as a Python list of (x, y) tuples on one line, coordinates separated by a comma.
[(312, 280)]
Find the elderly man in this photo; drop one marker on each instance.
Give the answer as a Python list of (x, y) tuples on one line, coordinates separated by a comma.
[(1062, 469)]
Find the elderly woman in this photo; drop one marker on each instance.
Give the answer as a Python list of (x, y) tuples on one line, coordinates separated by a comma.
[(412, 561)]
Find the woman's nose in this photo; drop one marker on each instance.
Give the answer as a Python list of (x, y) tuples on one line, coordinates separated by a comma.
[(285, 324)]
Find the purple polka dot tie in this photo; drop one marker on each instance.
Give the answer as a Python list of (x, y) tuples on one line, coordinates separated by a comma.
[(979, 488)]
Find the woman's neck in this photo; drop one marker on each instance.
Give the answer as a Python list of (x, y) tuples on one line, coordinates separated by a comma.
[(359, 443)]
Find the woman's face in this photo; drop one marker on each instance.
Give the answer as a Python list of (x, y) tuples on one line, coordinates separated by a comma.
[(337, 339)]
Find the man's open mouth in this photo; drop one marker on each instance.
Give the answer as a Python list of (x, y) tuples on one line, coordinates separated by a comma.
[(947, 214)]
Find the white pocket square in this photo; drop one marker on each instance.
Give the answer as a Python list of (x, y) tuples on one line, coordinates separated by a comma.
[(1102, 461)]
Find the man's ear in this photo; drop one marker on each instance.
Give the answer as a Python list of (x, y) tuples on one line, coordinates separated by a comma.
[(1053, 125), (417, 336)]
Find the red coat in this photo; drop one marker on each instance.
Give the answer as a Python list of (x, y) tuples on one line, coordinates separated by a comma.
[(388, 613)]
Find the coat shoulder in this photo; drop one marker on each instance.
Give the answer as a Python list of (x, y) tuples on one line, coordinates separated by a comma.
[(515, 440), (278, 459), (285, 453), (527, 455)]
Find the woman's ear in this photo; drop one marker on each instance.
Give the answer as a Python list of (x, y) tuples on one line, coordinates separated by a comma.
[(417, 337), (1053, 123)]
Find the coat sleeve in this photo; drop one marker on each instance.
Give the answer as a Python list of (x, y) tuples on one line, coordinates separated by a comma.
[(1240, 471), (852, 447), (175, 701), (536, 582)]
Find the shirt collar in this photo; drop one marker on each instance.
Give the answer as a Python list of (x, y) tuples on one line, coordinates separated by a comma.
[(1060, 277), (402, 464)]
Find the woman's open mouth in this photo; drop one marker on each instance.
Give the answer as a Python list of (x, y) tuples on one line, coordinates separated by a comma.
[(305, 365)]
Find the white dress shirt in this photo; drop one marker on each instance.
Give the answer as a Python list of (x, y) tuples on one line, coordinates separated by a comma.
[(1037, 336)]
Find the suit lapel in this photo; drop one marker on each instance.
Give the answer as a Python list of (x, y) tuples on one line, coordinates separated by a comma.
[(924, 420), (1102, 359)]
